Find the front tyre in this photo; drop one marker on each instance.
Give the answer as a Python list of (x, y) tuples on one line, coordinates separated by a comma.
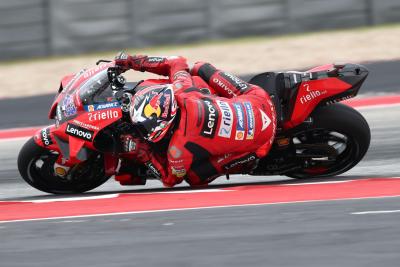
[(338, 139), (36, 166)]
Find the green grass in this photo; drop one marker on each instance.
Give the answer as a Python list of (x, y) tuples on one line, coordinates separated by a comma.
[(219, 42)]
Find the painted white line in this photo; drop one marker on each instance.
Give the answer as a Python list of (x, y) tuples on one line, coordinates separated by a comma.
[(186, 209), (375, 212), (378, 106), (183, 192), (72, 221), (31, 128), (14, 139), (68, 199), (343, 181), (329, 182)]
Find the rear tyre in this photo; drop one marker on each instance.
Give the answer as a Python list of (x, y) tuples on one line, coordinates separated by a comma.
[(36, 166), (338, 131)]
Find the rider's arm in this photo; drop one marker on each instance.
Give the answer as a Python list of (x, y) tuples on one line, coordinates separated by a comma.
[(176, 68), (224, 83)]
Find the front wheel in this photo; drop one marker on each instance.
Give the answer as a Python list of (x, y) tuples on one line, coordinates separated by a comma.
[(337, 140), (36, 166)]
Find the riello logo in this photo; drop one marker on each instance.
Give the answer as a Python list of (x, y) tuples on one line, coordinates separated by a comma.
[(310, 94)]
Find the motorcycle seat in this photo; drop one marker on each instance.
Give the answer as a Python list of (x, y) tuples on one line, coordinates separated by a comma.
[(273, 83)]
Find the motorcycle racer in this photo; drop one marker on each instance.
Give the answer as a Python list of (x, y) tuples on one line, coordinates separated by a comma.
[(209, 134)]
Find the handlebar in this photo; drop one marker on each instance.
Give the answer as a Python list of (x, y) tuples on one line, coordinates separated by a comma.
[(114, 76)]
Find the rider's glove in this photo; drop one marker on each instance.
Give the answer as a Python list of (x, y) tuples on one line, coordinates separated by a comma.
[(136, 146), (127, 62), (166, 66)]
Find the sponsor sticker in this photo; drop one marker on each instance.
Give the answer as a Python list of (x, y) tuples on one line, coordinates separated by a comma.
[(103, 115), (58, 116), (91, 72), (210, 118), (222, 85), (166, 101), (153, 169), (85, 125), (155, 59), (237, 82), (250, 120), (178, 172), (225, 127), (79, 132), (45, 136), (96, 107), (240, 161), (266, 121), (223, 157), (240, 121), (309, 94), (68, 106)]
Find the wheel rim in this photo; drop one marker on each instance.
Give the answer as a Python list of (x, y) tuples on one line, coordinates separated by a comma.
[(336, 151), (82, 176)]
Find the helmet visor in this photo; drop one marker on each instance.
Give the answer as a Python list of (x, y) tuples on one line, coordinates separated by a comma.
[(146, 127)]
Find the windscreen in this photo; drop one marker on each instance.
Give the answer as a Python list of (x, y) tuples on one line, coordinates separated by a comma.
[(96, 90)]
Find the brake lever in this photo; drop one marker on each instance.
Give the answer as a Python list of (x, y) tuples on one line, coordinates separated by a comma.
[(103, 61)]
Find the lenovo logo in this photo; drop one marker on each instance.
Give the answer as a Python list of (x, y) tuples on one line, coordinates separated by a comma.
[(79, 132), (210, 120)]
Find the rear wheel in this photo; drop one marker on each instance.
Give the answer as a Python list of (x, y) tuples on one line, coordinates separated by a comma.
[(36, 166), (337, 140)]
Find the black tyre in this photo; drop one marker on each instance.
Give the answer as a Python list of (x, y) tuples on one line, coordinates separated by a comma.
[(339, 132), (36, 166)]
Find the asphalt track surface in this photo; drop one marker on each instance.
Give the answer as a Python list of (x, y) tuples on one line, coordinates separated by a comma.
[(341, 232)]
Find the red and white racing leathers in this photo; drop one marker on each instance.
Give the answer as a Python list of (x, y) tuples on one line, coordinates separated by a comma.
[(215, 134)]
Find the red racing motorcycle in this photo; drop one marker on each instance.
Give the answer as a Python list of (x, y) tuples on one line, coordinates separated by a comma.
[(316, 136)]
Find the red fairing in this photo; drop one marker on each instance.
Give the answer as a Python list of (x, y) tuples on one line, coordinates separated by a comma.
[(71, 82), (80, 128), (45, 138), (310, 95), (63, 84)]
